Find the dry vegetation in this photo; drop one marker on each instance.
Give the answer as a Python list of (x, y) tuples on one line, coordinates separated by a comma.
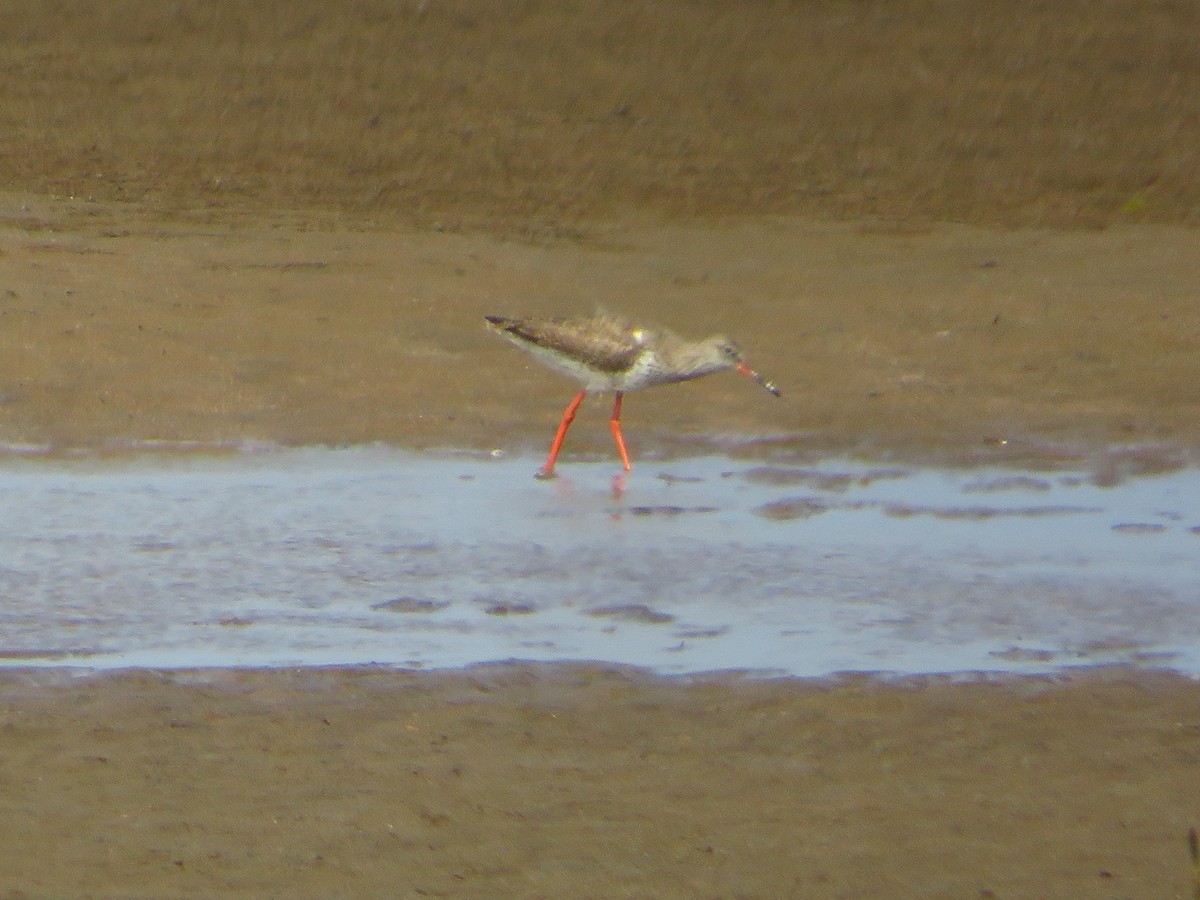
[(1076, 113)]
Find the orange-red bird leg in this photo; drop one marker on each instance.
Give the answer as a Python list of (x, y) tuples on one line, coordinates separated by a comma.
[(614, 425), (568, 416)]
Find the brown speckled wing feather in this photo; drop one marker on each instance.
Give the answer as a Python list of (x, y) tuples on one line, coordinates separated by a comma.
[(605, 344)]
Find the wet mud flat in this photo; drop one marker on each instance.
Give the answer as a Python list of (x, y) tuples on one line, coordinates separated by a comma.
[(266, 333), (560, 778), (244, 756), (594, 781)]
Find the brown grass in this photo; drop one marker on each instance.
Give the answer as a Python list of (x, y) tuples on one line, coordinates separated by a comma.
[(1076, 113)]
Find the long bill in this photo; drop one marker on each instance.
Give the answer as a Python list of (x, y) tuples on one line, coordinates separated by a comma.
[(769, 386)]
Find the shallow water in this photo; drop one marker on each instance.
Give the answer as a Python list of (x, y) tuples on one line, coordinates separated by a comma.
[(374, 555)]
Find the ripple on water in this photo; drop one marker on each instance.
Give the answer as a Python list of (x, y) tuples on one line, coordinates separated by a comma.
[(371, 555)]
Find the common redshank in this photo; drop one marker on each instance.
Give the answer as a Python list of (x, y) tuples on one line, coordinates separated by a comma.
[(609, 354)]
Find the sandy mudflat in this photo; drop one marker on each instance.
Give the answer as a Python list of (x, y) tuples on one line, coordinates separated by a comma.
[(946, 231), (948, 342), (549, 782)]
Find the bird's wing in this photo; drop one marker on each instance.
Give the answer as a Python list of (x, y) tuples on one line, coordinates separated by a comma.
[(602, 343)]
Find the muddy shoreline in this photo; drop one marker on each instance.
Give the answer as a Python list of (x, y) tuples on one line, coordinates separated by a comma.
[(595, 780), (950, 233), (961, 344)]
